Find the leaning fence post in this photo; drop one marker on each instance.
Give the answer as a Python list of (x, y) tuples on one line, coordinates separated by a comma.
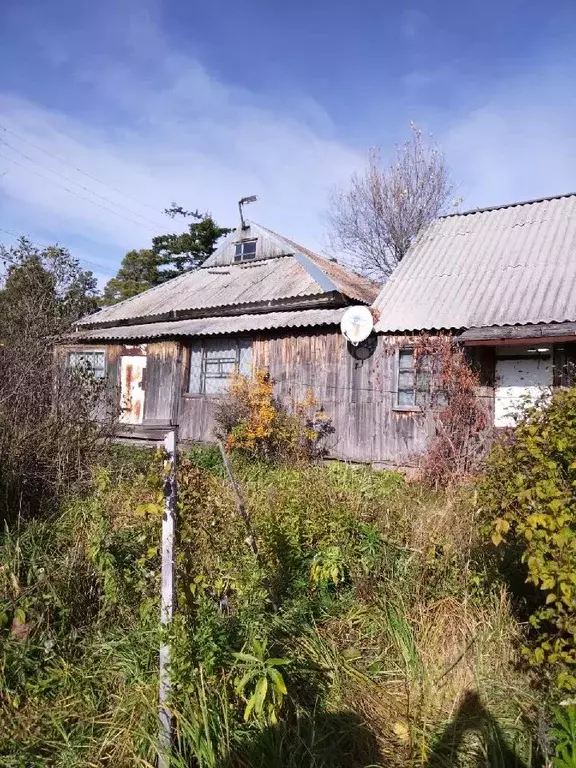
[(168, 597)]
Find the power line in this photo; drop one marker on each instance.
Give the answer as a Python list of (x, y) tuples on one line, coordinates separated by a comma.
[(154, 224), (45, 245), (72, 192), (79, 170)]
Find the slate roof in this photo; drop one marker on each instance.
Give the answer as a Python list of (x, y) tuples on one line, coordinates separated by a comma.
[(282, 274), (509, 265), (213, 326)]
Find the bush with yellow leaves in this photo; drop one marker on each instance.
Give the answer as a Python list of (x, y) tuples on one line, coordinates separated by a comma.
[(251, 420)]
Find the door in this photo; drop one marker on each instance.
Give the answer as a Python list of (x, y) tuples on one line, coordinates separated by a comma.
[(132, 369), (519, 383)]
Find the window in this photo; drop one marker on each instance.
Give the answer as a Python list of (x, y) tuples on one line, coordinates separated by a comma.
[(88, 361), (245, 250), (414, 380), (213, 361)]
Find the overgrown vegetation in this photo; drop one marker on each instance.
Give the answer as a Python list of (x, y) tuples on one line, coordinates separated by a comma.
[(530, 492), (47, 438), (389, 645), (252, 421), (463, 426)]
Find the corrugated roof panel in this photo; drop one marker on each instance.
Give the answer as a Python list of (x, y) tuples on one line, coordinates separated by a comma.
[(282, 270), (512, 265), (237, 284), (211, 326)]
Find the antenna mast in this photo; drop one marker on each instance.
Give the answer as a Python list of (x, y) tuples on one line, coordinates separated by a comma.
[(245, 201)]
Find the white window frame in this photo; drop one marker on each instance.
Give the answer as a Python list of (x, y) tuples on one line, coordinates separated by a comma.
[(239, 251)]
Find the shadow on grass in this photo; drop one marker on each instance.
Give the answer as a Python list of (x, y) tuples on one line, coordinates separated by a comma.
[(318, 740), (473, 717)]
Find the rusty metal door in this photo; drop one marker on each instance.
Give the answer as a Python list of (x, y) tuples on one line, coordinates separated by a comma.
[(132, 371)]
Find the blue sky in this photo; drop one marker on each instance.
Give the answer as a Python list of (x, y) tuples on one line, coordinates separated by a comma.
[(203, 103)]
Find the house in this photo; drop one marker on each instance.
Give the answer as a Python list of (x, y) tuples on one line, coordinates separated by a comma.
[(503, 280), (260, 300)]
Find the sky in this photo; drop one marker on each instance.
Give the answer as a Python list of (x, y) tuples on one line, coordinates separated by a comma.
[(112, 110)]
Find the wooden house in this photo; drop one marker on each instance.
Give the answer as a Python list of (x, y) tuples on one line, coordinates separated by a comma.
[(260, 301), (503, 280)]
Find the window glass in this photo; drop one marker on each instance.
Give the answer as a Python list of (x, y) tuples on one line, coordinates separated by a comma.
[(90, 361), (245, 250), (415, 381), (212, 362)]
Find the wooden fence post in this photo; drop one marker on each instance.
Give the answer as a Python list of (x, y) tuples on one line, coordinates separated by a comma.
[(168, 598)]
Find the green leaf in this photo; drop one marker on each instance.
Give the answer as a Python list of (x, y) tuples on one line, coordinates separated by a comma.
[(242, 682), (247, 657), (278, 680), (249, 707), (260, 693), (20, 616), (277, 662)]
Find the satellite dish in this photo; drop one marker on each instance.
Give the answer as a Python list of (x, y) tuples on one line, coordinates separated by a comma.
[(356, 324)]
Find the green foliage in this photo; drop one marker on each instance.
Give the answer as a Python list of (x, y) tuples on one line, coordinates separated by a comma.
[(564, 735), (328, 568), (379, 651), (42, 288), (529, 494), (139, 271), (171, 255), (260, 682), (188, 250), (47, 431)]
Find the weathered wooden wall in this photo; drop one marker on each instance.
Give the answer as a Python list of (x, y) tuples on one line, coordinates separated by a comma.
[(358, 395)]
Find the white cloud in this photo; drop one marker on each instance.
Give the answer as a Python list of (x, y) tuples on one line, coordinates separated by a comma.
[(184, 136), (519, 141)]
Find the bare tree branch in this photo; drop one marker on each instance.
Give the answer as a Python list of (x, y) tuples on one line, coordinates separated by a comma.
[(378, 215)]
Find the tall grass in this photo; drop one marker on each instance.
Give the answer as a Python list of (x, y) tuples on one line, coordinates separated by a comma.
[(408, 659)]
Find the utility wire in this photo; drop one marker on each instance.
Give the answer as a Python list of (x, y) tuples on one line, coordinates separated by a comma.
[(79, 170), (154, 224), (45, 245), (72, 192)]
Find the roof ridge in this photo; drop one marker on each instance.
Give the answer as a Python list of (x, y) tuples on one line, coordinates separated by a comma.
[(507, 205)]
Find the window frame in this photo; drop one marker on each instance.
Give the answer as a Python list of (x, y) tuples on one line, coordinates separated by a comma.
[(239, 255), (92, 352), (408, 407), (204, 349)]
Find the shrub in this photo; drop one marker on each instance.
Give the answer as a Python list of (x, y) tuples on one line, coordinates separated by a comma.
[(462, 433), (253, 421), (530, 494)]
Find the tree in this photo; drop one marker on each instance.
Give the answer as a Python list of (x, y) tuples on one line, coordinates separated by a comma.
[(171, 255), (44, 290), (139, 271), (377, 217), (188, 250), (47, 430)]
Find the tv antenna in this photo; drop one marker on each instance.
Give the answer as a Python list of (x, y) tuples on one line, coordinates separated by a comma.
[(245, 201)]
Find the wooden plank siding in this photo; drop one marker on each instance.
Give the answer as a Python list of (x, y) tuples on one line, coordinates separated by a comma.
[(161, 383), (358, 395)]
